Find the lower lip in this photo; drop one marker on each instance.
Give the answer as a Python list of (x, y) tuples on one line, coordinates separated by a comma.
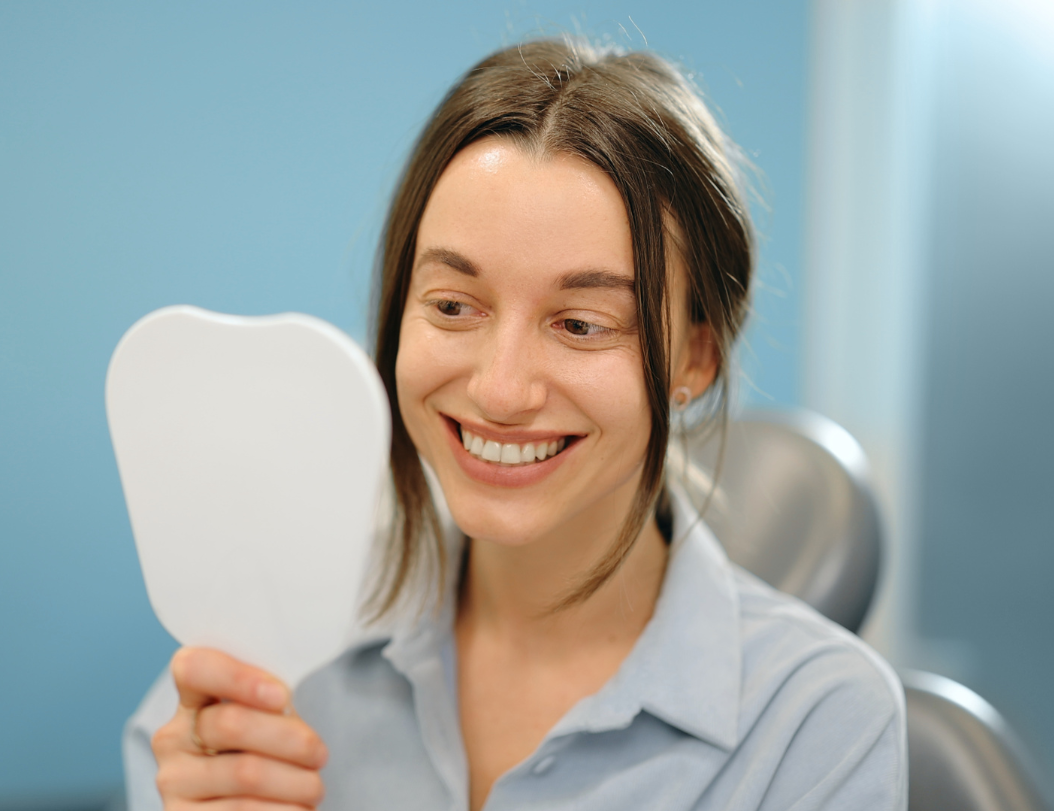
[(502, 475)]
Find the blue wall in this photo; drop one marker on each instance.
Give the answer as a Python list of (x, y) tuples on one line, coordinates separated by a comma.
[(986, 551), (236, 155)]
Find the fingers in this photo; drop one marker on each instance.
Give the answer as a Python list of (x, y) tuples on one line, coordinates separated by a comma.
[(232, 727), (234, 743), (204, 676), (238, 775), (231, 804)]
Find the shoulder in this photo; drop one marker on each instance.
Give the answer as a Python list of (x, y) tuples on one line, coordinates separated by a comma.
[(821, 700), (784, 641), (785, 653), (807, 714)]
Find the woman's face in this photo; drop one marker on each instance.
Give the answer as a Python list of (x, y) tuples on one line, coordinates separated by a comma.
[(519, 338)]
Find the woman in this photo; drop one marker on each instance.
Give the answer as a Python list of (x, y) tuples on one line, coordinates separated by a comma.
[(566, 260)]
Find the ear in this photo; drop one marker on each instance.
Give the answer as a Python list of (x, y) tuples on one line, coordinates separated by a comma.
[(697, 361)]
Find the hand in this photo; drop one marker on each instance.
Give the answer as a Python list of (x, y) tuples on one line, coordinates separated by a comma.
[(252, 751)]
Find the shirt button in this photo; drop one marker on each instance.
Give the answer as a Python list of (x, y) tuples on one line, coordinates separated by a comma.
[(544, 765)]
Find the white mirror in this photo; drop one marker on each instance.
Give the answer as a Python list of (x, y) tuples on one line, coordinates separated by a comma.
[(252, 452)]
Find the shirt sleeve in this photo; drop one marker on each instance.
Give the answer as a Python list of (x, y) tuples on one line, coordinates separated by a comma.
[(140, 767)]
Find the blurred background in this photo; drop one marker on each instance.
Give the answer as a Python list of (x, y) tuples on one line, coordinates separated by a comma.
[(238, 156)]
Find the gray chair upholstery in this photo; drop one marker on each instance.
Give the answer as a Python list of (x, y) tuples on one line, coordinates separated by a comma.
[(962, 755), (793, 505)]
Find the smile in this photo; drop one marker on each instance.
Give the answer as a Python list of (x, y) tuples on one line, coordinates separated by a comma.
[(509, 453)]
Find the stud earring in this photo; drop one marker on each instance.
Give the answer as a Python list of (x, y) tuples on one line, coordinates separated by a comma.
[(681, 397)]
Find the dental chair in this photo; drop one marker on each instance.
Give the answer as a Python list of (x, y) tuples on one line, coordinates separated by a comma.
[(793, 504), (962, 755)]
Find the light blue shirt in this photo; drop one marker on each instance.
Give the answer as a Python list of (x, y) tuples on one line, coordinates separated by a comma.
[(734, 697)]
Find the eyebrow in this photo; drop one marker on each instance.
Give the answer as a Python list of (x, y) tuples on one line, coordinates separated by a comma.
[(584, 279), (576, 280), (452, 259)]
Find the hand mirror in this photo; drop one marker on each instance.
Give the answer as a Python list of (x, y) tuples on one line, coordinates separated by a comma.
[(252, 452)]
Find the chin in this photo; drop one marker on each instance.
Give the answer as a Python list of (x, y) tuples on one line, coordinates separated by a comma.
[(498, 524)]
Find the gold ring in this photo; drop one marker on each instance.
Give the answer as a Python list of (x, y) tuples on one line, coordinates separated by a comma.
[(195, 738)]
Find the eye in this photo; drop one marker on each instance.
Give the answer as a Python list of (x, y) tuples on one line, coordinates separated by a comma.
[(579, 329), (450, 307), (450, 313), (576, 327)]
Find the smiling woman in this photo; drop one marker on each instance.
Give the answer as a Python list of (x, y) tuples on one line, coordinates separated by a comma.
[(660, 183), (567, 257)]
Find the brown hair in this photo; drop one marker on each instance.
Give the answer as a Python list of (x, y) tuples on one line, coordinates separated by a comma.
[(639, 120)]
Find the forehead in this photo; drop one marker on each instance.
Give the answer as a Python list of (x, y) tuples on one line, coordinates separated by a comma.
[(507, 209)]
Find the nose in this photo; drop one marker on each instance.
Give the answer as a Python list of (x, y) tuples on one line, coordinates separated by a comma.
[(507, 382)]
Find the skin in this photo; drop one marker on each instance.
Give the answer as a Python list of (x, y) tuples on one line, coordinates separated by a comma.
[(269, 757), (520, 324)]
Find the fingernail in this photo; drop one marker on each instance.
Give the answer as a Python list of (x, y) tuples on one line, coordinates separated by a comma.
[(271, 694)]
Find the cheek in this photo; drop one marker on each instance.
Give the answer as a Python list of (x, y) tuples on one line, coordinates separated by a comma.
[(612, 392), (423, 366), (414, 368)]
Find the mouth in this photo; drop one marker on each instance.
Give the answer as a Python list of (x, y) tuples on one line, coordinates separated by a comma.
[(510, 454)]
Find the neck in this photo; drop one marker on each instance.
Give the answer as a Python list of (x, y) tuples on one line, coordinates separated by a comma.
[(511, 590)]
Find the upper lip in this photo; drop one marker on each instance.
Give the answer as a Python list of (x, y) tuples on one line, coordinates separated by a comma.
[(508, 436)]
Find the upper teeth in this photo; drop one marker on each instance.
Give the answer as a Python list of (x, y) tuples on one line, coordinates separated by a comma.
[(508, 453)]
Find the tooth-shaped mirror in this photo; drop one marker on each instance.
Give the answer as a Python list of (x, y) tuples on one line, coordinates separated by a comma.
[(252, 452)]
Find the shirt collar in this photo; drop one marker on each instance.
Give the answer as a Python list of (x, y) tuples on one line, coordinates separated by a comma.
[(684, 669)]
